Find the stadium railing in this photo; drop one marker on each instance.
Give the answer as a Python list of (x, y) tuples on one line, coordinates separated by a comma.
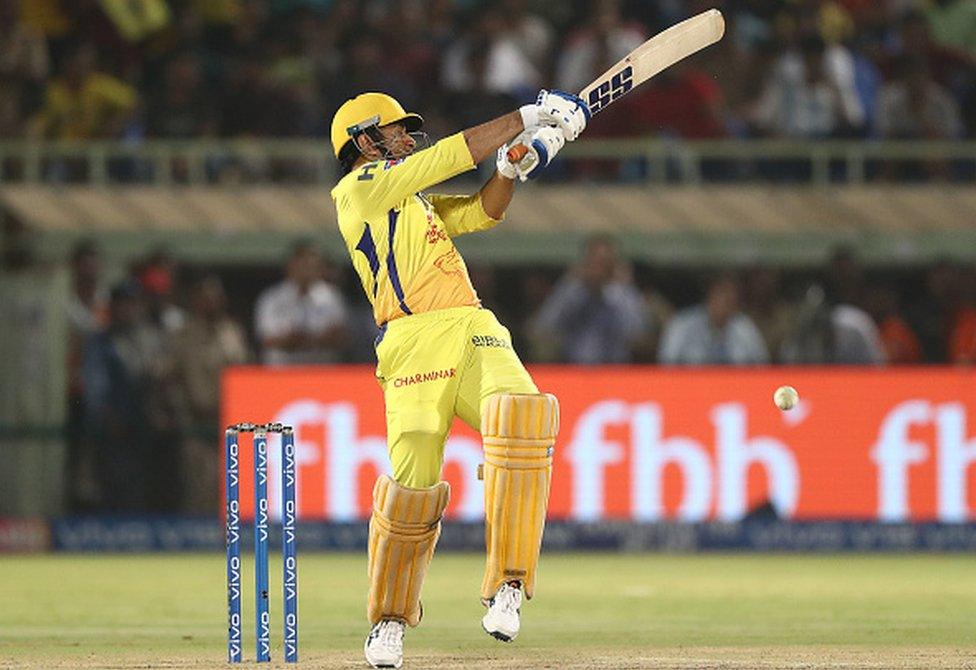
[(637, 160)]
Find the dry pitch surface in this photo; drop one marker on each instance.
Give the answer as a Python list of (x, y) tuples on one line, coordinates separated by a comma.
[(592, 611)]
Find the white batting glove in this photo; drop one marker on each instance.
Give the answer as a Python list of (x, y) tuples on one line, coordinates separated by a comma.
[(534, 149), (505, 167), (556, 108)]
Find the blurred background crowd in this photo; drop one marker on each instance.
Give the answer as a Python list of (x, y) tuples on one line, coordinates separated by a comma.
[(146, 349), (148, 341), (78, 69)]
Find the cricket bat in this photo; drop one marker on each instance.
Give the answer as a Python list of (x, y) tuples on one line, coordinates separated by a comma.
[(656, 54)]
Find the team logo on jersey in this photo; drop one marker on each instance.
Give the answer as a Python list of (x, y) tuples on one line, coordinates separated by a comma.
[(390, 163), (450, 263), (434, 234), (421, 377)]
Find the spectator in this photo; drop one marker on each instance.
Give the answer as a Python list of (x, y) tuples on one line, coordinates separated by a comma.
[(683, 100), (23, 68), (715, 332), (811, 95), (156, 276), (247, 80), (135, 20), (304, 58), (417, 43), (466, 75), (954, 24), (302, 320), (844, 277), (209, 342), (87, 311), (594, 315), (83, 103), (915, 107), (492, 56), (122, 368), (604, 39), (913, 42), (531, 33), (901, 345), (824, 335), (768, 308), (182, 107), (933, 316)]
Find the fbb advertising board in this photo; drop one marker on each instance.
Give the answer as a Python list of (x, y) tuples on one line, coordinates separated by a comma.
[(657, 444)]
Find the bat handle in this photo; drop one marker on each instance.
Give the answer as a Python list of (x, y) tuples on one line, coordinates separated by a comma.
[(517, 153)]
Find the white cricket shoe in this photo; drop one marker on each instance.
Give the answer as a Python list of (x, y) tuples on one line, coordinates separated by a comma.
[(501, 621), (384, 644)]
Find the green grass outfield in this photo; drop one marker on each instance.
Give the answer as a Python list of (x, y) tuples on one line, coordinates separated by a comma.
[(591, 611)]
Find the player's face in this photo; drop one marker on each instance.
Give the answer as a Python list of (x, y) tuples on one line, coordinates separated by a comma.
[(397, 140)]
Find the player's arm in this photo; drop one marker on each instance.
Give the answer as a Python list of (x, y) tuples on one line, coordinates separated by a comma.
[(379, 186), (465, 214), (496, 195), (564, 111), (483, 141), (470, 213)]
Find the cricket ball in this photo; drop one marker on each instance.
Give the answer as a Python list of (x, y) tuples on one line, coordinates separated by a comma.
[(786, 397)]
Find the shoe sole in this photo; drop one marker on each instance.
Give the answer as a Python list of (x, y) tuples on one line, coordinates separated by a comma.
[(381, 665), (498, 635)]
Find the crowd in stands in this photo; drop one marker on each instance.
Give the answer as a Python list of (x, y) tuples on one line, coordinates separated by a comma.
[(146, 353), (146, 345), (133, 69), (146, 350)]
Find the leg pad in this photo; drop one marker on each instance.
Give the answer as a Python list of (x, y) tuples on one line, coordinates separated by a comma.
[(519, 432), (403, 532)]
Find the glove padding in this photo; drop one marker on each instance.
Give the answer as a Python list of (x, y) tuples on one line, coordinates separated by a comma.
[(557, 108), (541, 145)]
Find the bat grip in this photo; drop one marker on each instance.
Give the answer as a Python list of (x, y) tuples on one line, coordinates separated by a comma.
[(517, 153)]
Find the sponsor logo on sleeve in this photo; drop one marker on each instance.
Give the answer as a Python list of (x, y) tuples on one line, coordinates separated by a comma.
[(489, 341)]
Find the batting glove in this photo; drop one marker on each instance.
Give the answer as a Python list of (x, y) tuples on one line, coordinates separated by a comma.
[(537, 147), (556, 108)]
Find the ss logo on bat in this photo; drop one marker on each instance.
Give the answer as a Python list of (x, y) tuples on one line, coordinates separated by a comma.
[(608, 91)]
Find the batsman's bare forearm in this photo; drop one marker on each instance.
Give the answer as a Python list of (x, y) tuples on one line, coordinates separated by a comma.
[(496, 195), (484, 140)]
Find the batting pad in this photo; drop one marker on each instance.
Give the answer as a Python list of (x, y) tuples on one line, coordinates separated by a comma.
[(403, 531), (519, 431)]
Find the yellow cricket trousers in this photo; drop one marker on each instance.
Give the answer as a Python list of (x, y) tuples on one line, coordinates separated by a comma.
[(435, 366)]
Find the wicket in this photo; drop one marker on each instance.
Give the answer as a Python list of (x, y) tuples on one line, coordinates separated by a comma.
[(289, 556)]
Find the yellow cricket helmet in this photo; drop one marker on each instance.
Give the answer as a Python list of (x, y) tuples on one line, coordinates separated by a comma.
[(368, 110)]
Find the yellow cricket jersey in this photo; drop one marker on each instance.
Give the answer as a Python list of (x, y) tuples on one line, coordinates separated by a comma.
[(400, 239)]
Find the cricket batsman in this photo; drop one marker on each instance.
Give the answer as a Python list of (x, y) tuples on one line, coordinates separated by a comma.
[(440, 354)]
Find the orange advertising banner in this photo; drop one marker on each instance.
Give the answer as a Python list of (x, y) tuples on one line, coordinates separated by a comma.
[(648, 443)]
